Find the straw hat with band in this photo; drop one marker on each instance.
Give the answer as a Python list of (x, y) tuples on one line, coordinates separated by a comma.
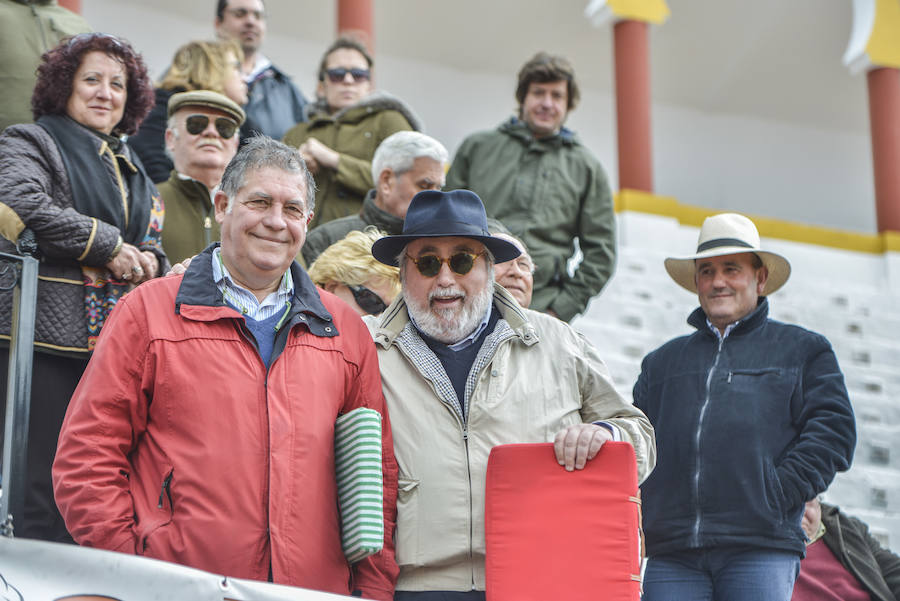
[(729, 234), (435, 214)]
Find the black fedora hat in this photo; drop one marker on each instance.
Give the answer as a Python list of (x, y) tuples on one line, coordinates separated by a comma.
[(435, 214)]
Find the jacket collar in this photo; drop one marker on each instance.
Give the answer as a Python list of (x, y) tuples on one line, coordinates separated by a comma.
[(372, 215), (517, 128), (374, 102), (189, 186), (395, 317), (750, 322), (198, 293)]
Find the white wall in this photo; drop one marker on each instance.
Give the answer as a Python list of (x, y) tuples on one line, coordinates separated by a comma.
[(731, 162)]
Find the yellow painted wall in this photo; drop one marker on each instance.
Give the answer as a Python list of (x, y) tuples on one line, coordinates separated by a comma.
[(667, 206)]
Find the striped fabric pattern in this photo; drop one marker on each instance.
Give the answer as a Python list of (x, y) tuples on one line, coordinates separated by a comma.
[(357, 462)]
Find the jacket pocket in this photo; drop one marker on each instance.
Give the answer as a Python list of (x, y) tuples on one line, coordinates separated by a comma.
[(774, 492), (752, 376), (161, 515), (407, 540), (763, 393)]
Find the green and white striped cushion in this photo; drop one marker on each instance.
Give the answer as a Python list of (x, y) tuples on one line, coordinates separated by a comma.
[(360, 485)]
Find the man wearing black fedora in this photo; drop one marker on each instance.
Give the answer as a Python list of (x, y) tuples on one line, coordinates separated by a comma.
[(752, 420), (464, 368)]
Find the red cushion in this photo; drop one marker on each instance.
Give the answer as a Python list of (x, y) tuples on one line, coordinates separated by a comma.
[(554, 535)]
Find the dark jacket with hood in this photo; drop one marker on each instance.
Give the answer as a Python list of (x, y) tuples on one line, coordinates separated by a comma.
[(748, 428)]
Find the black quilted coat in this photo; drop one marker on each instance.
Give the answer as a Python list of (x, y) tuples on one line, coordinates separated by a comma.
[(35, 193)]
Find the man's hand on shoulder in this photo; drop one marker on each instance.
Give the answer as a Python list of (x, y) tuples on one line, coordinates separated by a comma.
[(576, 445), (180, 268)]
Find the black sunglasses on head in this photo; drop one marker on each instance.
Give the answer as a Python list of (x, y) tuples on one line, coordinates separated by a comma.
[(196, 124), (338, 75), (459, 263), (367, 300)]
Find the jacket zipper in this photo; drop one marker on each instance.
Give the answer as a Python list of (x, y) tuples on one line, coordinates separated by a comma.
[(471, 502), (695, 537), (207, 230), (249, 338), (166, 491)]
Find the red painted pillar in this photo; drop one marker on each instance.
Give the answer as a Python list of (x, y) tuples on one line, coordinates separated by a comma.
[(884, 123), (633, 105), (355, 17), (72, 5)]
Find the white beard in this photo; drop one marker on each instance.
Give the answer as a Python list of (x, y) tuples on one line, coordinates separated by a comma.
[(451, 325)]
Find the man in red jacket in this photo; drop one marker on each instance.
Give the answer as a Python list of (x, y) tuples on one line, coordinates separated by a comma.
[(202, 431)]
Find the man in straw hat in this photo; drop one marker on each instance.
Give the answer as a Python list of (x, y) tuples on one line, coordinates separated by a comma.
[(464, 367), (752, 420)]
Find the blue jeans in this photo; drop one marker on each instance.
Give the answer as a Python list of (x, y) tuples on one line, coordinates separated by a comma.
[(722, 574)]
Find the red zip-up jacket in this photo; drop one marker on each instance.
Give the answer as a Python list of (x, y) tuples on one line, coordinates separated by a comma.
[(179, 445)]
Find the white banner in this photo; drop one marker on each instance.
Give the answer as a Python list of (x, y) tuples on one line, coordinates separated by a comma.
[(38, 571)]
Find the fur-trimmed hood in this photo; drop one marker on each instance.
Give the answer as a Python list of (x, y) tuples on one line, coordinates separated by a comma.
[(376, 101)]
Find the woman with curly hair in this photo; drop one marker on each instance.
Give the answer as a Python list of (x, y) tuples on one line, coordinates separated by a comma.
[(212, 66), (96, 218)]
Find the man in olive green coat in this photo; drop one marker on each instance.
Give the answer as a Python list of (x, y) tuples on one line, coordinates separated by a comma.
[(201, 138), (536, 177), (28, 29)]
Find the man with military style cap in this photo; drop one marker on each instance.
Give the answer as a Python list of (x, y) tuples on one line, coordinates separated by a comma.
[(201, 138)]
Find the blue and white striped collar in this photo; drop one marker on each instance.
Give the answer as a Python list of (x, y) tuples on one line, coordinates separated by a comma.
[(245, 301)]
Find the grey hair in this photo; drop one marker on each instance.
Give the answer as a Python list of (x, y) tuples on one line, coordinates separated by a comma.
[(171, 124), (261, 152), (398, 151), (403, 258)]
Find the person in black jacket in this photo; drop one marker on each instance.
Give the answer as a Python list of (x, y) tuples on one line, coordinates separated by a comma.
[(843, 561), (752, 419)]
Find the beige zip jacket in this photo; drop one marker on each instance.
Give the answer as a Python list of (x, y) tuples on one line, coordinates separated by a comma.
[(533, 376)]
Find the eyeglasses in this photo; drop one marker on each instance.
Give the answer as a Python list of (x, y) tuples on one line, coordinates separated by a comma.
[(523, 263), (459, 263), (338, 75), (367, 300), (196, 124)]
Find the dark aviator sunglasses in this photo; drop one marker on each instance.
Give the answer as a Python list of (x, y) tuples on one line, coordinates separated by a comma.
[(459, 263), (196, 124), (338, 75)]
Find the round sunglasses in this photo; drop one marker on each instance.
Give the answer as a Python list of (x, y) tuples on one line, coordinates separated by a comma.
[(367, 300), (459, 263), (338, 75), (196, 124)]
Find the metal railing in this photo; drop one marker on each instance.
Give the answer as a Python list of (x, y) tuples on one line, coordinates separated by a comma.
[(17, 274)]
